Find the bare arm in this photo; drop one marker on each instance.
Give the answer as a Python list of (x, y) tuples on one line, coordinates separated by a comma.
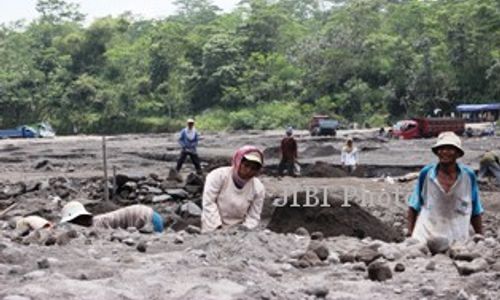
[(477, 223), (412, 219)]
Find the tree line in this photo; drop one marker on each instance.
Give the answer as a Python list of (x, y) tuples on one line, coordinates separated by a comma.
[(266, 64)]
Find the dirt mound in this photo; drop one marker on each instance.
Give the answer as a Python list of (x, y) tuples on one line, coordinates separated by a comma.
[(332, 221), (322, 169), (320, 151), (272, 152)]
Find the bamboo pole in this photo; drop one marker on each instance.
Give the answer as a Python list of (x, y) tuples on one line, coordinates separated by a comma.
[(105, 163)]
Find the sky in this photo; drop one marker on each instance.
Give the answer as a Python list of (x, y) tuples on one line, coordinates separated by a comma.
[(14, 10)]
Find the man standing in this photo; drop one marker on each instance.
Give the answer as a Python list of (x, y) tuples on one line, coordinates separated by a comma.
[(490, 162), (446, 197), (189, 140), (288, 153)]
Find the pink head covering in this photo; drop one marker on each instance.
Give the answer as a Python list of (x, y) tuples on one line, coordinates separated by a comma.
[(238, 157)]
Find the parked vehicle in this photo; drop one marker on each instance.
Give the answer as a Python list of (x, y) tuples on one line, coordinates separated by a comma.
[(19, 132), (323, 125), (24, 131), (427, 127)]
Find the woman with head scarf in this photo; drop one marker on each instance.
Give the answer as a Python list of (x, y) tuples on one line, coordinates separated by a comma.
[(233, 195)]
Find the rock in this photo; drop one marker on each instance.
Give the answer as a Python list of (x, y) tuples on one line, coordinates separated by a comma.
[(161, 198), (190, 209), (427, 291), (348, 257), (359, 266), (475, 266), (14, 190), (490, 242), (13, 221), (129, 242), (321, 250), (477, 237), (462, 295), (438, 245), (34, 275), (142, 247), (389, 252), (317, 235), (43, 264), (367, 255), (191, 229), (495, 267), (174, 176), (62, 192), (130, 186), (334, 258), (41, 163), (51, 240), (193, 189), (153, 190), (32, 186), (379, 271), (155, 176), (194, 180), (178, 194), (431, 266), (462, 253), (310, 258), (399, 267), (302, 231), (318, 292), (65, 237), (178, 239)]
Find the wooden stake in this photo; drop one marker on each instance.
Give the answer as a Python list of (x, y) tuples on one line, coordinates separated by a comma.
[(114, 183), (105, 163)]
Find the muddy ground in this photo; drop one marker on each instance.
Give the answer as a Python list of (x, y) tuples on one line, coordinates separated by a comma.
[(360, 254)]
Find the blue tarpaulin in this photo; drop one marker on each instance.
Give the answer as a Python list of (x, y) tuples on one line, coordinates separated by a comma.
[(478, 107)]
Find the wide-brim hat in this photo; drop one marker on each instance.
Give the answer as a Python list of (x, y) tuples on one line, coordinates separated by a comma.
[(448, 138), (72, 210)]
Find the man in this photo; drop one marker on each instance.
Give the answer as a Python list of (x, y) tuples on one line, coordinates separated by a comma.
[(490, 162), (288, 153), (137, 216), (189, 140), (446, 196)]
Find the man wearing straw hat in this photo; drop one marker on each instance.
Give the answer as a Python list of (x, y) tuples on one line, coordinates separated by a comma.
[(446, 197)]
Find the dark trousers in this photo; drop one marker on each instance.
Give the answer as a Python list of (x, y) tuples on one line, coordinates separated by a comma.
[(194, 158), (288, 165)]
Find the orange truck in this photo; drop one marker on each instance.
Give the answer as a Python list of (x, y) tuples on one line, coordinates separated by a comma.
[(427, 127)]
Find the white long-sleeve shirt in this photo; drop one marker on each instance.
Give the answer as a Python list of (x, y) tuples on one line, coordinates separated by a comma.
[(131, 216), (225, 205), (349, 158)]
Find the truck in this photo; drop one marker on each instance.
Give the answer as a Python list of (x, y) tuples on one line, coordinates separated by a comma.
[(427, 127), (323, 125), (24, 131)]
